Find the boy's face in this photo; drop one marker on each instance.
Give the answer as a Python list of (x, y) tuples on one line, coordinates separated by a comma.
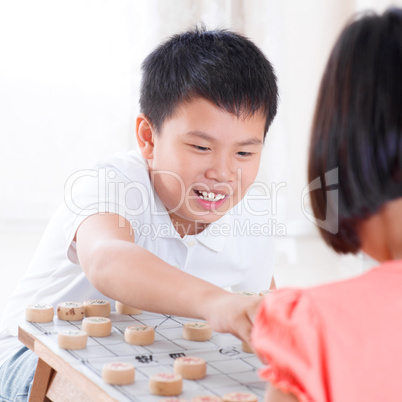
[(203, 162)]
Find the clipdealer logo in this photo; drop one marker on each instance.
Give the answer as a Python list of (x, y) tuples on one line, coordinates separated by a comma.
[(108, 195), (331, 221), (240, 228), (132, 198)]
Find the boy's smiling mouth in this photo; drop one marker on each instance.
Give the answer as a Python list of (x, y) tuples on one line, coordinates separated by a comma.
[(209, 196)]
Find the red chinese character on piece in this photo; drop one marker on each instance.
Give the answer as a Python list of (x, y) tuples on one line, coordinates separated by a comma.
[(117, 365), (240, 396), (166, 376), (187, 359)]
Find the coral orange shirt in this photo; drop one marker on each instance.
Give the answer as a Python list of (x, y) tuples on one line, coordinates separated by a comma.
[(339, 342)]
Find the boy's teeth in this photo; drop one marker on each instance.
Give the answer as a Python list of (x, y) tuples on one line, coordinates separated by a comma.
[(210, 196)]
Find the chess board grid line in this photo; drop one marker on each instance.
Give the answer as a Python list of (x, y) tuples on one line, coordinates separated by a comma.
[(220, 354)]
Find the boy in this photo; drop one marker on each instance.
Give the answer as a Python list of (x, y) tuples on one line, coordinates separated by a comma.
[(167, 231)]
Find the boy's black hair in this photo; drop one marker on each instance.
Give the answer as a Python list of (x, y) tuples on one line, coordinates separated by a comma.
[(357, 126), (220, 66)]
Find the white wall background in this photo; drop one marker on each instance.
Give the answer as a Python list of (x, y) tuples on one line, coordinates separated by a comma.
[(70, 72), (69, 79)]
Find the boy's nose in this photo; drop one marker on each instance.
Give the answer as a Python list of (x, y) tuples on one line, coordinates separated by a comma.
[(221, 171)]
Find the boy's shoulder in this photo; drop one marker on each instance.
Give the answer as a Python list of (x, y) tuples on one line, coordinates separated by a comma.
[(111, 181), (129, 164)]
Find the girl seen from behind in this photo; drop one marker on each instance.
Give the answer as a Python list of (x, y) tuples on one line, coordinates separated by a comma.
[(341, 341)]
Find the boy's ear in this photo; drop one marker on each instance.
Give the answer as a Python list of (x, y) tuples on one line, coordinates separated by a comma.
[(145, 136)]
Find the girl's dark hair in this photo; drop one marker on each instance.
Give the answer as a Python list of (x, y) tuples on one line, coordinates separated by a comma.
[(357, 127), (220, 66)]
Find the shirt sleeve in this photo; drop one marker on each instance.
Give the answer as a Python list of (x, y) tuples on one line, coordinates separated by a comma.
[(287, 338), (99, 191)]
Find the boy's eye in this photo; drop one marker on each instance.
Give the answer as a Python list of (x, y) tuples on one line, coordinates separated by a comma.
[(244, 153), (199, 148)]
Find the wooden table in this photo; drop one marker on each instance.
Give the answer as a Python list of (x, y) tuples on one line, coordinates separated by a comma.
[(56, 380), (75, 375)]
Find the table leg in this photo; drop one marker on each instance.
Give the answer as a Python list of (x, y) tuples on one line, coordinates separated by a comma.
[(43, 375)]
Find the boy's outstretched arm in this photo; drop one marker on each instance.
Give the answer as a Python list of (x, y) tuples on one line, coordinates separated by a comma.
[(124, 271)]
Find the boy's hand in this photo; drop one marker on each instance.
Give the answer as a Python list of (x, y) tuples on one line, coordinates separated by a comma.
[(232, 313)]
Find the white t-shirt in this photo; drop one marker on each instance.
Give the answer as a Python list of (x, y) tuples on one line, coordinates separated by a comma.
[(232, 252)]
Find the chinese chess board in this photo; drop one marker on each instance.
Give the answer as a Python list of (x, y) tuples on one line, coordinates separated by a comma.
[(229, 369)]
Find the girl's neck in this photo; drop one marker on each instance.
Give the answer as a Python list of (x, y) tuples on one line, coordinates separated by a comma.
[(381, 234)]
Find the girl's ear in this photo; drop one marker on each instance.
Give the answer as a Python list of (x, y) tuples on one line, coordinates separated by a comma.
[(145, 136)]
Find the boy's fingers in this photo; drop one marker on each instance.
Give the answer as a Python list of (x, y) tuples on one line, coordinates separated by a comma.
[(245, 329), (247, 336), (249, 320)]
